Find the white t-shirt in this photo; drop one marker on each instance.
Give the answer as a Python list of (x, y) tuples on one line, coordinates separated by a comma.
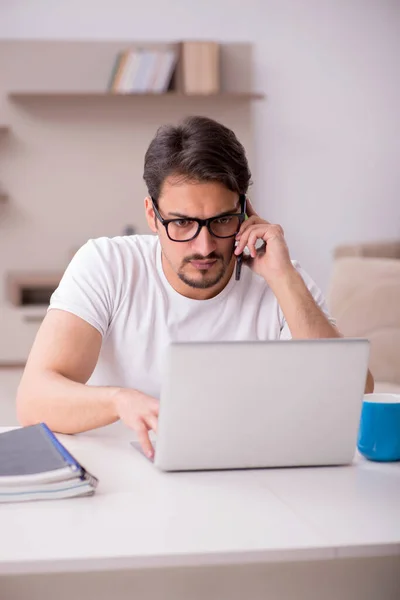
[(118, 286)]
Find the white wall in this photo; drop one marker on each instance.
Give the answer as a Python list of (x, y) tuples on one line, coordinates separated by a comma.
[(327, 138)]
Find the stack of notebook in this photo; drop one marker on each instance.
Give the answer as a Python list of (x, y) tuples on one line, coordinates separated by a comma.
[(34, 465)]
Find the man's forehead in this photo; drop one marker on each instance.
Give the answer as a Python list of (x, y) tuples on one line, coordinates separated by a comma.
[(197, 199), (193, 209)]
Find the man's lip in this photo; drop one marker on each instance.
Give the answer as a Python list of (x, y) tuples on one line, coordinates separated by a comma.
[(203, 263)]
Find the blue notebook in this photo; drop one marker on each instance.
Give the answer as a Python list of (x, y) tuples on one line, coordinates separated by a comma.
[(34, 464)]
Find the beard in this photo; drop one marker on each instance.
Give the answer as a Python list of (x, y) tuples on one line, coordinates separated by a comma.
[(205, 279)]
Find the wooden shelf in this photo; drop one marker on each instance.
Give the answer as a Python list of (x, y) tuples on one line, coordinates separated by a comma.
[(31, 289), (42, 95), (12, 364)]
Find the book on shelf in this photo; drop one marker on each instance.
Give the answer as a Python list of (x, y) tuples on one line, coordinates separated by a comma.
[(199, 68), (142, 71), (35, 465)]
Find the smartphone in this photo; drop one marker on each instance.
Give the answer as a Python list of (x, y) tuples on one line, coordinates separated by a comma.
[(239, 261), (239, 258)]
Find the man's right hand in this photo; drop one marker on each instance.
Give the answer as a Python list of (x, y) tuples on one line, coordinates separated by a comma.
[(139, 412)]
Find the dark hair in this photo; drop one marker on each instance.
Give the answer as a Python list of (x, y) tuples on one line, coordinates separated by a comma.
[(198, 149)]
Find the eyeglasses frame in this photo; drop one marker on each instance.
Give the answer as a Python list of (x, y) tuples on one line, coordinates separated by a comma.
[(203, 222)]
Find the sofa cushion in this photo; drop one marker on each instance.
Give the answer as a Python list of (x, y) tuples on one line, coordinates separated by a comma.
[(364, 298), (386, 388)]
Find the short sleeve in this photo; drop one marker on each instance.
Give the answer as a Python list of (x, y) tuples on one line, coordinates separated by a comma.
[(86, 286), (318, 298)]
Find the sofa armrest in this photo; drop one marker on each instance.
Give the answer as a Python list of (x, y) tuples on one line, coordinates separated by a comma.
[(388, 249), (364, 298)]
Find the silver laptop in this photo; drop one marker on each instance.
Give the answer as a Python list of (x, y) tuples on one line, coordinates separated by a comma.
[(236, 405)]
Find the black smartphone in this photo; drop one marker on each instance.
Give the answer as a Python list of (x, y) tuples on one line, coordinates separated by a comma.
[(239, 258), (239, 261)]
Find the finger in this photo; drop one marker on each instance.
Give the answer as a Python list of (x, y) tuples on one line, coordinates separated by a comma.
[(248, 260), (151, 422), (251, 222), (266, 231), (254, 236), (250, 212), (251, 242), (154, 406), (144, 440), (243, 240), (242, 243)]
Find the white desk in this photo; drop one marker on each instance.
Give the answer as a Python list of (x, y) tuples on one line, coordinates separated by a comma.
[(317, 533)]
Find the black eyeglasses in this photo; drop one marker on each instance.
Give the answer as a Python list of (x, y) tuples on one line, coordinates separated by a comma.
[(185, 230)]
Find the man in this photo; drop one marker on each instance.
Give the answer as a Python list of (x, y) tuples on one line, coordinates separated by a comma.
[(122, 300)]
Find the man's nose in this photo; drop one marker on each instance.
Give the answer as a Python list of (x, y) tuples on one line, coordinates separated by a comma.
[(204, 243)]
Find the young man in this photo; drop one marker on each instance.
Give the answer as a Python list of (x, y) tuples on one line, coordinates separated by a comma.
[(122, 300)]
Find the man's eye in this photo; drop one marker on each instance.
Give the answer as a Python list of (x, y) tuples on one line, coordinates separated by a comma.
[(183, 223), (223, 220)]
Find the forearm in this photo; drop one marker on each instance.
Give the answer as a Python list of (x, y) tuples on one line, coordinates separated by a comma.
[(64, 405), (304, 317)]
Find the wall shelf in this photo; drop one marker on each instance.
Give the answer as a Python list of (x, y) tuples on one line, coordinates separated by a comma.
[(64, 95), (31, 289)]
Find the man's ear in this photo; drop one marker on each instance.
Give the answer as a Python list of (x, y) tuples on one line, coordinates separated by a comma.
[(150, 214)]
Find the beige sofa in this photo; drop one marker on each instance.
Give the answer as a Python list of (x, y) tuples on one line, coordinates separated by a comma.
[(364, 297)]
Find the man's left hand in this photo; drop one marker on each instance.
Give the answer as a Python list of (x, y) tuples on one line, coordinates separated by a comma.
[(272, 259)]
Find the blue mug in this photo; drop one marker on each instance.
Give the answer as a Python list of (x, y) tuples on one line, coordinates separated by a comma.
[(379, 432)]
